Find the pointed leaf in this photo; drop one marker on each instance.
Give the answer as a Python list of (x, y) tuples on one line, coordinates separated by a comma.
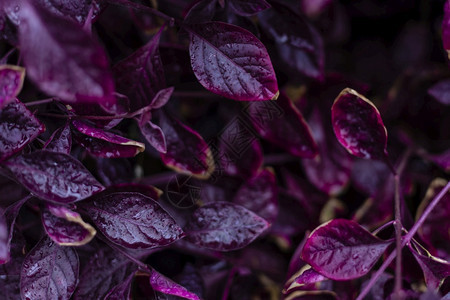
[(187, 152), (154, 135), (60, 141), (358, 126), (102, 143), (18, 127), (281, 123), (166, 286), (435, 270), (141, 75), (259, 194), (307, 276), (133, 220), (66, 227), (49, 272), (224, 226), (63, 59), (248, 7), (232, 62), (52, 176), (121, 291), (11, 82), (341, 250), (104, 271)]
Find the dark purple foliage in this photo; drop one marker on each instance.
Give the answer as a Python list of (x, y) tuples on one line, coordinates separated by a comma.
[(52, 176), (18, 127), (133, 220), (166, 286), (358, 126), (11, 81), (224, 226), (231, 62), (308, 276), (60, 141), (49, 271), (440, 91), (122, 290), (435, 270), (7, 221), (342, 250), (248, 7)]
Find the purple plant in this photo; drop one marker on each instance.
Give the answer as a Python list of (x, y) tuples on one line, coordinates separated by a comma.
[(223, 149)]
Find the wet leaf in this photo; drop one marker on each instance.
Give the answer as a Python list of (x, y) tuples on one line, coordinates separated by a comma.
[(11, 82), (435, 270), (166, 286), (341, 250), (121, 291), (224, 226), (60, 141), (49, 272), (52, 176), (232, 62)]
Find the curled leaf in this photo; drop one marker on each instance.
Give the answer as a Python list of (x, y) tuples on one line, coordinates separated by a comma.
[(224, 226), (358, 126), (341, 250), (11, 82), (60, 141), (232, 62)]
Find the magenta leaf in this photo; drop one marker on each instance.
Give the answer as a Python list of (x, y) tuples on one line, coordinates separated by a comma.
[(187, 152), (63, 59), (441, 91), (104, 271), (224, 226), (307, 276), (52, 176), (154, 135), (102, 143), (248, 7), (49, 272), (11, 82), (141, 75), (133, 220), (18, 127), (259, 194), (341, 250), (232, 62), (60, 141), (122, 290), (166, 286), (435, 270), (281, 123), (358, 126), (66, 227)]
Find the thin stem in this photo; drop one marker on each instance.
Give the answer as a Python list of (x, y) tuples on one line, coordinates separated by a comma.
[(406, 239), (39, 102), (398, 237), (228, 284), (376, 231)]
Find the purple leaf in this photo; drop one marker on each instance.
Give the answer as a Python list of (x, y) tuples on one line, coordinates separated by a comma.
[(259, 194), (11, 82), (154, 135), (248, 7), (133, 220), (105, 271), (49, 272), (341, 250), (7, 221), (441, 91), (232, 62), (224, 226), (299, 45), (66, 227), (435, 270), (166, 286), (63, 59), (114, 171), (307, 276), (187, 152), (18, 127), (60, 141), (141, 75), (10, 272), (105, 144), (121, 291), (282, 124), (358, 126), (330, 170), (52, 176), (201, 11)]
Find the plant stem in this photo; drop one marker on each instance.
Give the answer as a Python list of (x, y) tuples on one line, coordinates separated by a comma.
[(39, 102), (406, 239), (398, 241)]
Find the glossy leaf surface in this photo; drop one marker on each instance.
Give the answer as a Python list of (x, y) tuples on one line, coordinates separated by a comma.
[(435, 270), (231, 62), (122, 290), (18, 127), (49, 272), (56, 177), (11, 82), (224, 226), (63, 59), (166, 286), (66, 227), (342, 250), (60, 141), (133, 220), (308, 276), (358, 126)]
